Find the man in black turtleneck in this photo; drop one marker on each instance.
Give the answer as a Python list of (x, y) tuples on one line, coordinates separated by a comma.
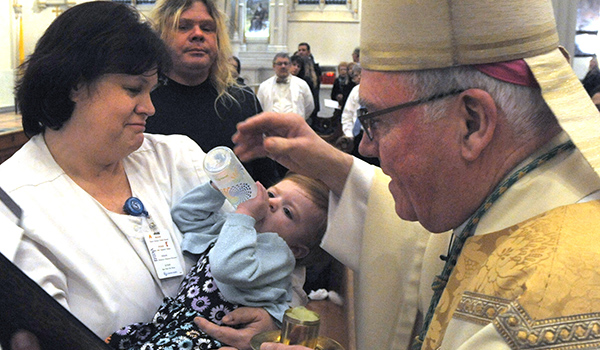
[(199, 97)]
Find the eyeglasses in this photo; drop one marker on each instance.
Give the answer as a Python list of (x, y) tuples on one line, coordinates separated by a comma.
[(282, 63), (366, 118)]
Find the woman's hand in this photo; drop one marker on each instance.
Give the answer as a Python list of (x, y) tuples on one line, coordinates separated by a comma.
[(252, 320)]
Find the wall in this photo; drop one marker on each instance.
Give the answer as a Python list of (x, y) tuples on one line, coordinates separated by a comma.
[(35, 22), (328, 50), (6, 55), (331, 42)]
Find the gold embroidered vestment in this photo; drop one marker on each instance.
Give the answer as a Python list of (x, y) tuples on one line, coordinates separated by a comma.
[(537, 281)]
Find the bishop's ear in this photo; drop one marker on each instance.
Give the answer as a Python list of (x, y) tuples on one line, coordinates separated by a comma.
[(479, 113)]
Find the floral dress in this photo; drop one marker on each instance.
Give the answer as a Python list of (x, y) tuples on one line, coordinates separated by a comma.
[(173, 327)]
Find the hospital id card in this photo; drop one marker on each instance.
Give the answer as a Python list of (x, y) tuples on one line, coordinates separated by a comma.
[(164, 255)]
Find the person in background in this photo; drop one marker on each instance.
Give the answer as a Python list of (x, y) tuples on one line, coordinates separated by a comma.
[(84, 94), (356, 55), (350, 69), (595, 95), (200, 97), (284, 92), (237, 69), (342, 86), (304, 50), (351, 127), (296, 66), (254, 257), (490, 142), (301, 68), (592, 78)]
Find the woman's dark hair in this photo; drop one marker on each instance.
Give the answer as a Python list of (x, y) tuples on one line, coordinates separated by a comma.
[(84, 43), (306, 72), (238, 68), (297, 59)]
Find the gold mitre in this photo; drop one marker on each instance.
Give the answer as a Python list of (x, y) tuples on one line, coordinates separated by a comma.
[(404, 35)]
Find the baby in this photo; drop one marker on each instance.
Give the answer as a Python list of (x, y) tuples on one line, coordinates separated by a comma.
[(246, 258)]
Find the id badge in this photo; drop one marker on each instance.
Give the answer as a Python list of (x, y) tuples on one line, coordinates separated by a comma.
[(162, 250), (164, 255)]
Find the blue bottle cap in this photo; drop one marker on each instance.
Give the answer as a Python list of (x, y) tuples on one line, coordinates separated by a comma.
[(134, 206)]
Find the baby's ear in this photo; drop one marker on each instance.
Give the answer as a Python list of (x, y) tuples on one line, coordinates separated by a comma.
[(300, 251)]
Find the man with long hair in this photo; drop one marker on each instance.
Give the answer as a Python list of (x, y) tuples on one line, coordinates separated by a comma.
[(200, 97)]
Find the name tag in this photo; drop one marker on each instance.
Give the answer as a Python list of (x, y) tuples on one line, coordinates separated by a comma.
[(163, 253), (162, 250)]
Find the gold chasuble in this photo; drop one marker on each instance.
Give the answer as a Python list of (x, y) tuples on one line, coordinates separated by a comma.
[(534, 281)]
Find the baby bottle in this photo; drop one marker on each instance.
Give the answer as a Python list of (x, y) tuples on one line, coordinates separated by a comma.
[(229, 175)]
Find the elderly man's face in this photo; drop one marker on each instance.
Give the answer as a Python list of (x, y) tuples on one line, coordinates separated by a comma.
[(282, 67), (419, 155)]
